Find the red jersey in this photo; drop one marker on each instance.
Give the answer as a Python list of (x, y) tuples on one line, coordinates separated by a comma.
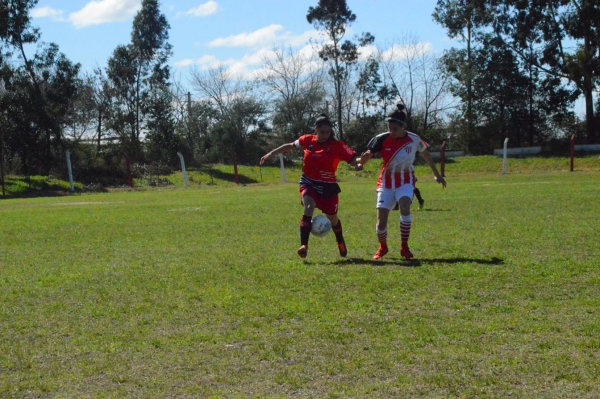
[(398, 157), (321, 159)]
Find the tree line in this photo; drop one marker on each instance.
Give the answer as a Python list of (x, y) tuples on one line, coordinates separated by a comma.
[(517, 70)]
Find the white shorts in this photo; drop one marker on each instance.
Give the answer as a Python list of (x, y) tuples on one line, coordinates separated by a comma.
[(387, 198)]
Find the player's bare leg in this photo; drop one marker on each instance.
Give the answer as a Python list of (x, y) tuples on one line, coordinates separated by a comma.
[(306, 224)]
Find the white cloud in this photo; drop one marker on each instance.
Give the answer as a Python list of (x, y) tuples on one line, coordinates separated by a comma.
[(203, 10), (260, 37), (205, 62), (400, 52), (263, 40), (367, 51), (48, 12), (104, 11)]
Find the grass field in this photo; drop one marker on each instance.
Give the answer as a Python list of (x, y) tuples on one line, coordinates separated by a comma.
[(199, 293)]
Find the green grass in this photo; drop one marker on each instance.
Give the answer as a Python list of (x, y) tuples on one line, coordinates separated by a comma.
[(199, 293)]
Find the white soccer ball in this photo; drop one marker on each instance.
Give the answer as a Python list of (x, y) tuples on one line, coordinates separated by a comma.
[(321, 226)]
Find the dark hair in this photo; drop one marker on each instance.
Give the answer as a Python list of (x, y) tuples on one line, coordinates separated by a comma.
[(323, 119), (397, 115)]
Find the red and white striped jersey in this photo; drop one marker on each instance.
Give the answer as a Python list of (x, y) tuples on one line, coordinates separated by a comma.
[(398, 157)]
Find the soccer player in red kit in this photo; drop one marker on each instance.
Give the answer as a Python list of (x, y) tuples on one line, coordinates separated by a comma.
[(396, 183), (318, 184)]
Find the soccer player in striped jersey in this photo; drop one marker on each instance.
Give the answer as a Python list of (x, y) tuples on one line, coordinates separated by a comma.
[(318, 184), (396, 182)]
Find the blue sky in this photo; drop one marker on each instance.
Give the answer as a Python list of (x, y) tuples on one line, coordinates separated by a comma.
[(234, 32)]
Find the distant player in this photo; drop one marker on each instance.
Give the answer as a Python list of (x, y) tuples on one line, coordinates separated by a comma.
[(396, 182), (318, 184), (419, 198)]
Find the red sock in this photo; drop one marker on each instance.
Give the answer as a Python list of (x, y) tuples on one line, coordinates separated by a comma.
[(382, 237), (405, 224), (338, 232), (305, 227)]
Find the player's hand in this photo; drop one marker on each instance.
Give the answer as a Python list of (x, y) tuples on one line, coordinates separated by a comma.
[(264, 158)]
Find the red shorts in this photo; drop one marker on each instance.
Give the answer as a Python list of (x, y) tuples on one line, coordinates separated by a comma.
[(328, 205)]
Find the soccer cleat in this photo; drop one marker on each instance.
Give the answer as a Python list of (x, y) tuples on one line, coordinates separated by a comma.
[(380, 252), (421, 203), (343, 249), (303, 251), (405, 252)]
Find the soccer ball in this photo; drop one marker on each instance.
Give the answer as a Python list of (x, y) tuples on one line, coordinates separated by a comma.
[(321, 226)]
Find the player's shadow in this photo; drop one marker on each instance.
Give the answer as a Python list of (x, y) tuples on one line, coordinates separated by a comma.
[(417, 262)]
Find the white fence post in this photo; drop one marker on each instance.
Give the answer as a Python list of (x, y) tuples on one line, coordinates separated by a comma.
[(282, 168), (504, 160), (68, 154), (185, 176)]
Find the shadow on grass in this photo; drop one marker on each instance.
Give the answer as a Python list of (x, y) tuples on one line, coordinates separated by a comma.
[(416, 262), (229, 177)]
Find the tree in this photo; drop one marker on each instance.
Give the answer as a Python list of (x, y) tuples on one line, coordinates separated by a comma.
[(413, 73), (240, 118), (540, 32), (39, 89), (163, 144), (123, 118), (333, 17), (193, 121), (368, 84), (464, 19), (138, 71), (295, 83)]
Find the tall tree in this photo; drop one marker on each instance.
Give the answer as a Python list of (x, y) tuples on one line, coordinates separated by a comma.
[(541, 32), (295, 83), (139, 71), (240, 118), (333, 17), (41, 86), (464, 19), (413, 70)]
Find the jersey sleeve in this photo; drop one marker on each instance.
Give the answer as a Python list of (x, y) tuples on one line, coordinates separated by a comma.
[(376, 143), (422, 145), (346, 153), (302, 141)]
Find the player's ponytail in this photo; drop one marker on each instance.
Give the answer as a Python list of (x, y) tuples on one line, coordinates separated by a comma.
[(323, 119), (398, 115)]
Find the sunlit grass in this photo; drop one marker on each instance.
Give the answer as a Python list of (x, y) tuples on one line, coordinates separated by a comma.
[(200, 293)]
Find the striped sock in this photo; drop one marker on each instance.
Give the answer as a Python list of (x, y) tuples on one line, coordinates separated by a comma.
[(382, 236), (405, 224)]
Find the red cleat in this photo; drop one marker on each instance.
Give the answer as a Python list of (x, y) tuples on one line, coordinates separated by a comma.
[(342, 248), (303, 251), (380, 252), (405, 252)]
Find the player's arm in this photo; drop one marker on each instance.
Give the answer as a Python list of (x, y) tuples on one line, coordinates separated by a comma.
[(279, 150), (354, 162), (373, 147), (438, 177)]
